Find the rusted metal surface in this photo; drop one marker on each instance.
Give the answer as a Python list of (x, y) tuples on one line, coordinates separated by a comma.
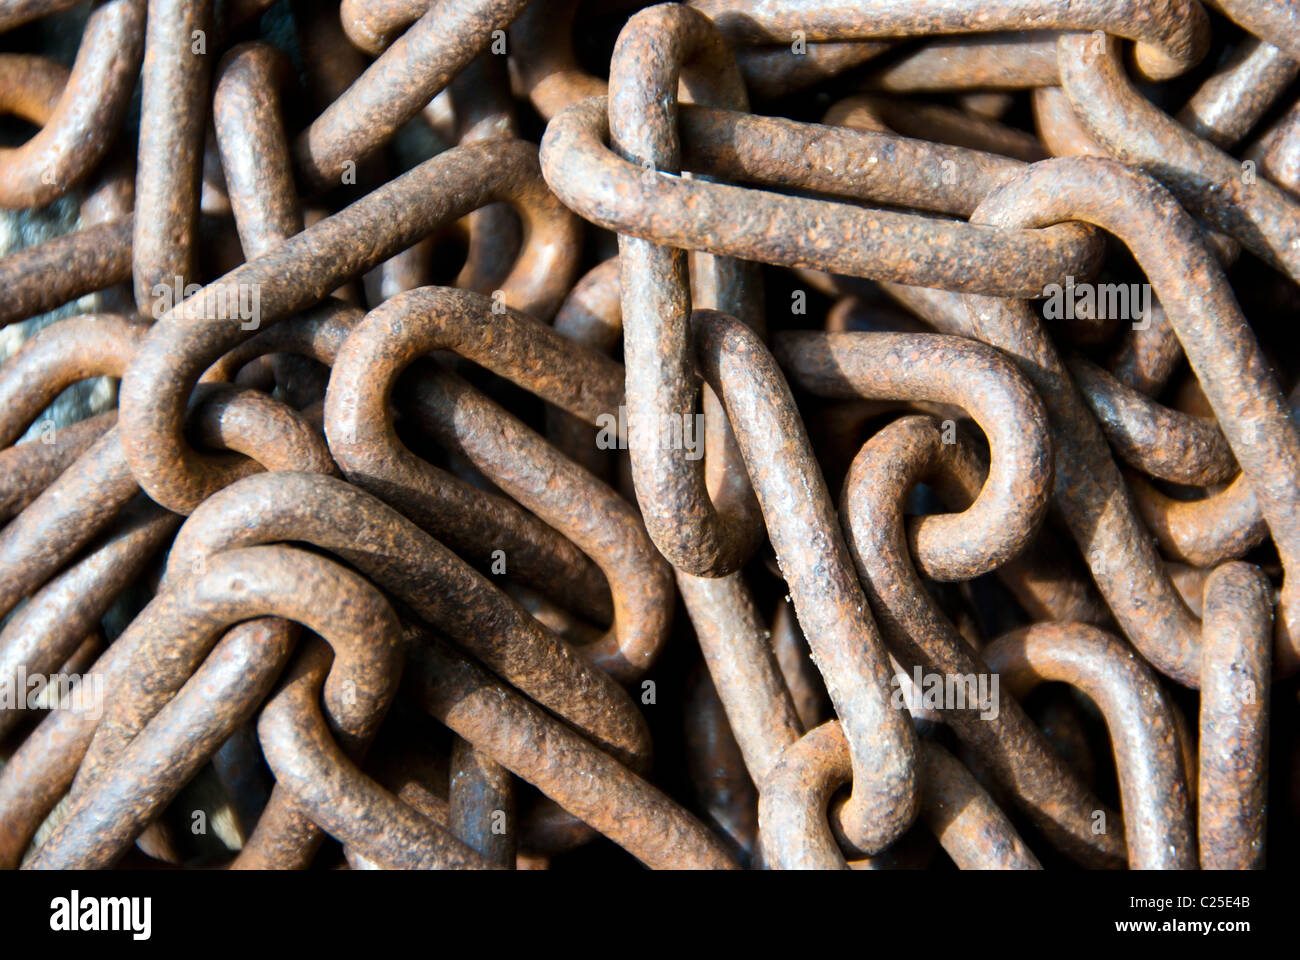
[(398, 556), (390, 375), (618, 195), (482, 805), (968, 824), (993, 61), (1222, 350), (173, 117), (584, 780), (656, 49), (1278, 152), (871, 510), (1204, 178), (192, 335), (935, 124), (1161, 443), (422, 321), (58, 616), (77, 131), (1011, 502), (62, 354), (1233, 723), (28, 468), (550, 73), (255, 158), (48, 275), (373, 26), (723, 786), (1157, 816), (1230, 102), (966, 821), (1274, 20), (307, 761), (1171, 35), (397, 86), (815, 562)]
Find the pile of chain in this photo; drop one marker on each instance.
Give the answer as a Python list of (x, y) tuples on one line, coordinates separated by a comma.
[(932, 352)]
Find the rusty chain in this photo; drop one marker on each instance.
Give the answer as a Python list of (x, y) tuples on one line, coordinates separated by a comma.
[(934, 354)]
